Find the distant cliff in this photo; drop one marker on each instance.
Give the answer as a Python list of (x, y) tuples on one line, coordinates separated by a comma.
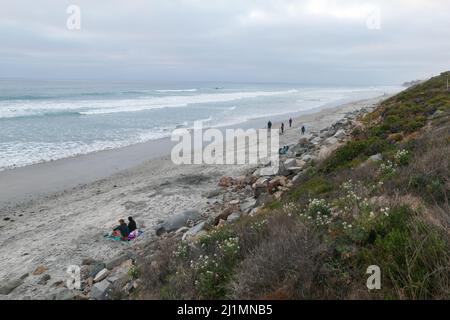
[(412, 83)]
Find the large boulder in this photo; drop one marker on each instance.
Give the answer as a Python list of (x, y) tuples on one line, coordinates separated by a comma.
[(300, 163), (327, 150), (63, 294), (101, 290), (248, 204), (340, 134), (233, 217), (290, 163), (194, 231), (96, 268), (118, 260), (177, 221), (296, 178), (261, 182), (7, 287), (316, 141), (88, 261), (275, 168), (308, 157), (331, 141), (101, 275)]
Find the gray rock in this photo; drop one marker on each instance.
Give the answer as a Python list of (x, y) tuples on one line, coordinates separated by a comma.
[(117, 261), (282, 170), (44, 279), (119, 280), (308, 157), (101, 290), (340, 134), (248, 204), (275, 169), (290, 163), (316, 140), (128, 287), (294, 179), (233, 217), (194, 231), (331, 141), (182, 230), (376, 157), (88, 261), (234, 202), (177, 221), (261, 182), (257, 172), (96, 268), (101, 275), (63, 294), (7, 287)]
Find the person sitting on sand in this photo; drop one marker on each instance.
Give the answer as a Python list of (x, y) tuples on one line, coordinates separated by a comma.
[(121, 230), (131, 224)]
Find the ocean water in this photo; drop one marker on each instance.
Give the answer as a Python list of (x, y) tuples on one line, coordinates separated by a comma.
[(48, 120)]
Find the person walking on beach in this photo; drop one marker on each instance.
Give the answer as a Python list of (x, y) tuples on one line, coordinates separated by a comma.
[(269, 125), (290, 122), (303, 130), (282, 128)]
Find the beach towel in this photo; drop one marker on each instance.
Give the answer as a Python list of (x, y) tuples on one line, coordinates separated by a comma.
[(133, 235)]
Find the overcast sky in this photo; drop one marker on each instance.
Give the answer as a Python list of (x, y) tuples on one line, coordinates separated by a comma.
[(309, 41)]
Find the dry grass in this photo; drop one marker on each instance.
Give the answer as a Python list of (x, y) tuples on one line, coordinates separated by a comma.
[(282, 266)]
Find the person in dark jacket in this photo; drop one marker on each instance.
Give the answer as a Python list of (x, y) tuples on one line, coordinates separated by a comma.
[(269, 125), (131, 224), (290, 122), (282, 128), (122, 230)]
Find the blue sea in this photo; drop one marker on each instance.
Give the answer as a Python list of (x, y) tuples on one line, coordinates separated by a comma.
[(48, 120)]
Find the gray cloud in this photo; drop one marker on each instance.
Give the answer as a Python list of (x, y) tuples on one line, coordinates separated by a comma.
[(320, 41)]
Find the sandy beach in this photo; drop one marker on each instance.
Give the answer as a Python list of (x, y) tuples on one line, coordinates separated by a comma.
[(65, 223)]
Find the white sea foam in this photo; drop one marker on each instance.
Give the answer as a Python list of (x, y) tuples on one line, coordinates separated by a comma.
[(21, 154), (10, 109), (177, 90)]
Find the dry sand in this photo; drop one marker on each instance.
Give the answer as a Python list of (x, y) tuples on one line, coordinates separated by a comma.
[(63, 228)]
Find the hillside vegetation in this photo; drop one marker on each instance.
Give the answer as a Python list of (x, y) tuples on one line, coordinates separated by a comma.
[(380, 199)]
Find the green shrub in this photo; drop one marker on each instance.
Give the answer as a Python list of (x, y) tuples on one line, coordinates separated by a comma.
[(315, 186), (134, 272), (411, 254), (347, 154), (273, 205)]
